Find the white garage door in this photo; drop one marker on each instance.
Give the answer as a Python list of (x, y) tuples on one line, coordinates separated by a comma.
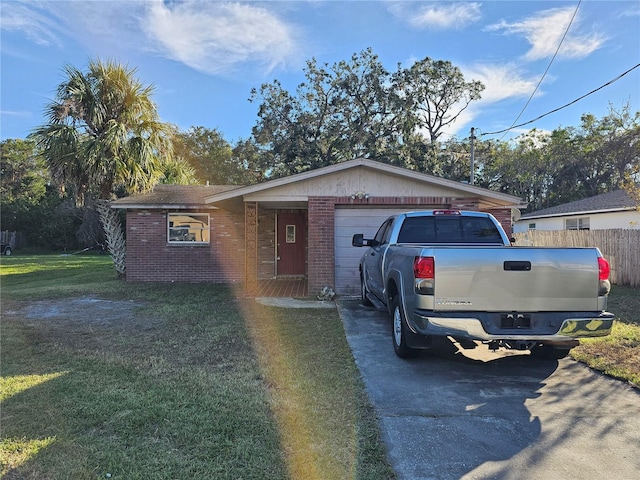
[(349, 221)]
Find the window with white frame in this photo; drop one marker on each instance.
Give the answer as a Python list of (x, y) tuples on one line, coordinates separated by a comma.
[(576, 223), (188, 228), (532, 226)]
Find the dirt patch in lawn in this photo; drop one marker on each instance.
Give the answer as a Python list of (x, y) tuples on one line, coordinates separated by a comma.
[(81, 321)]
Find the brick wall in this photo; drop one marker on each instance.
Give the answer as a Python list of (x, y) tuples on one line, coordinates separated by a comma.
[(321, 256), (503, 215), (150, 258)]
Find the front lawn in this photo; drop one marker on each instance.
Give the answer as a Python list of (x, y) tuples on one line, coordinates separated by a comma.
[(618, 354), (101, 378)]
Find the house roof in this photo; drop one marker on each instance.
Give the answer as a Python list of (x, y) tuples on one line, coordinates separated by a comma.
[(499, 198), (618, 200), (307, 183), (172, 196)]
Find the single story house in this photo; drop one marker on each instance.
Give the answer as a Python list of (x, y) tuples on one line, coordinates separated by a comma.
[(610, 210), (298, 226)]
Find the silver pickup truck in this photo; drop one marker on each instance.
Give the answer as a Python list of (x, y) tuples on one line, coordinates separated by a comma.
[(455, 273)]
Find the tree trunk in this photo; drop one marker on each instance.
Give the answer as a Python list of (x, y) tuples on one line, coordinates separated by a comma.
[(114, 235)]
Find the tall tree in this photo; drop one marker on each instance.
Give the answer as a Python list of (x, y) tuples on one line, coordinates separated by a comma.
[(595, 157), (453, 160), (356, 108), (340, 112), (632, 187), (434, 94), (104, 136), (567, 164), (247, 153), (30, 204), (364, 100), (23, 175), (529, 170), (211, 157)]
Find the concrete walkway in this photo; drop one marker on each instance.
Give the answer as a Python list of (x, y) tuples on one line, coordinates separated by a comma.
[(294, 303)]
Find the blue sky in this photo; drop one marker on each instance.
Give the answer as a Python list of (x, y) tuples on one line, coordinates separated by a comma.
[(203, 58)]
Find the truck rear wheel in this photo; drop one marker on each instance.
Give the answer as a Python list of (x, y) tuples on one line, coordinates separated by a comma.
[(398, 332)]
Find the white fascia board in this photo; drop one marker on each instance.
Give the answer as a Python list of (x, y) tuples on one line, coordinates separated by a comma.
[(583, 212), (258, 197)]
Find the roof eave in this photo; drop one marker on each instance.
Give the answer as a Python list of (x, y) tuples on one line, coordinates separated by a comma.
[(403, 172), (583, 212), (167, 206)]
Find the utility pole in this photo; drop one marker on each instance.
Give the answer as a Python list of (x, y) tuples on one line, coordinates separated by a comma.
[(472, 156)]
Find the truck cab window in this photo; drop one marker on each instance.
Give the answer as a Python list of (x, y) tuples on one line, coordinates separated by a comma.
[(382, 236)]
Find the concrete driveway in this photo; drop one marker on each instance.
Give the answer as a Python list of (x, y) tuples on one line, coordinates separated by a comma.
[(478, 414)]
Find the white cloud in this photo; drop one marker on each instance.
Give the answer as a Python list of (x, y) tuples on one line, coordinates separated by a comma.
[(29, 21), (544, 31), (502, 82), (15, 113), (103, 28), (437, 16), (211, 37), (631, 11), (215, 37)]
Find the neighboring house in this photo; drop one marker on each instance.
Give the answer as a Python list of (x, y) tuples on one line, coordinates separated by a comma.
[(606, 211), (298, 226)]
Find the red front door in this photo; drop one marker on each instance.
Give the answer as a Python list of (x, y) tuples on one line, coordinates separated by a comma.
[(292, 242)]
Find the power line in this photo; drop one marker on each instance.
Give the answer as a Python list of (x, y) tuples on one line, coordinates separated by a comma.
[(566, 105), (548, 66)]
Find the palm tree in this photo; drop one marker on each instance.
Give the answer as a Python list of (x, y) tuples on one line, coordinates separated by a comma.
[(104, 136)]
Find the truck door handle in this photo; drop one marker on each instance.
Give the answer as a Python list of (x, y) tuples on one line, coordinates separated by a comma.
[(517, 265)]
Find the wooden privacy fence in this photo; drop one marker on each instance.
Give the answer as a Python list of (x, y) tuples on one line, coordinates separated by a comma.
[(620, 247)]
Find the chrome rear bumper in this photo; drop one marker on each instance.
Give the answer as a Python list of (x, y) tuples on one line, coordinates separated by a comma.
[(598, 325)]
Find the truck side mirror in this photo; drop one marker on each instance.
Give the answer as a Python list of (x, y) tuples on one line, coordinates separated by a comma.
[(357, 240)]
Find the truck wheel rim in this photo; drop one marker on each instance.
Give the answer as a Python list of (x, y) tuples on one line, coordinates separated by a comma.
[(397, 326)]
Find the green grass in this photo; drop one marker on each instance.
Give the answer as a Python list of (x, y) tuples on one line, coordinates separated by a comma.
[(55, 275), (617, 354), (189, 382)]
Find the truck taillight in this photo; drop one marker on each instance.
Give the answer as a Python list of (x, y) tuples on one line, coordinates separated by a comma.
[(603, 267), (604, 271), (424, 273), (424, 267)]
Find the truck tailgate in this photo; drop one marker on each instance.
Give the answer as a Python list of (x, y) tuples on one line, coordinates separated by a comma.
[(515, 279)]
